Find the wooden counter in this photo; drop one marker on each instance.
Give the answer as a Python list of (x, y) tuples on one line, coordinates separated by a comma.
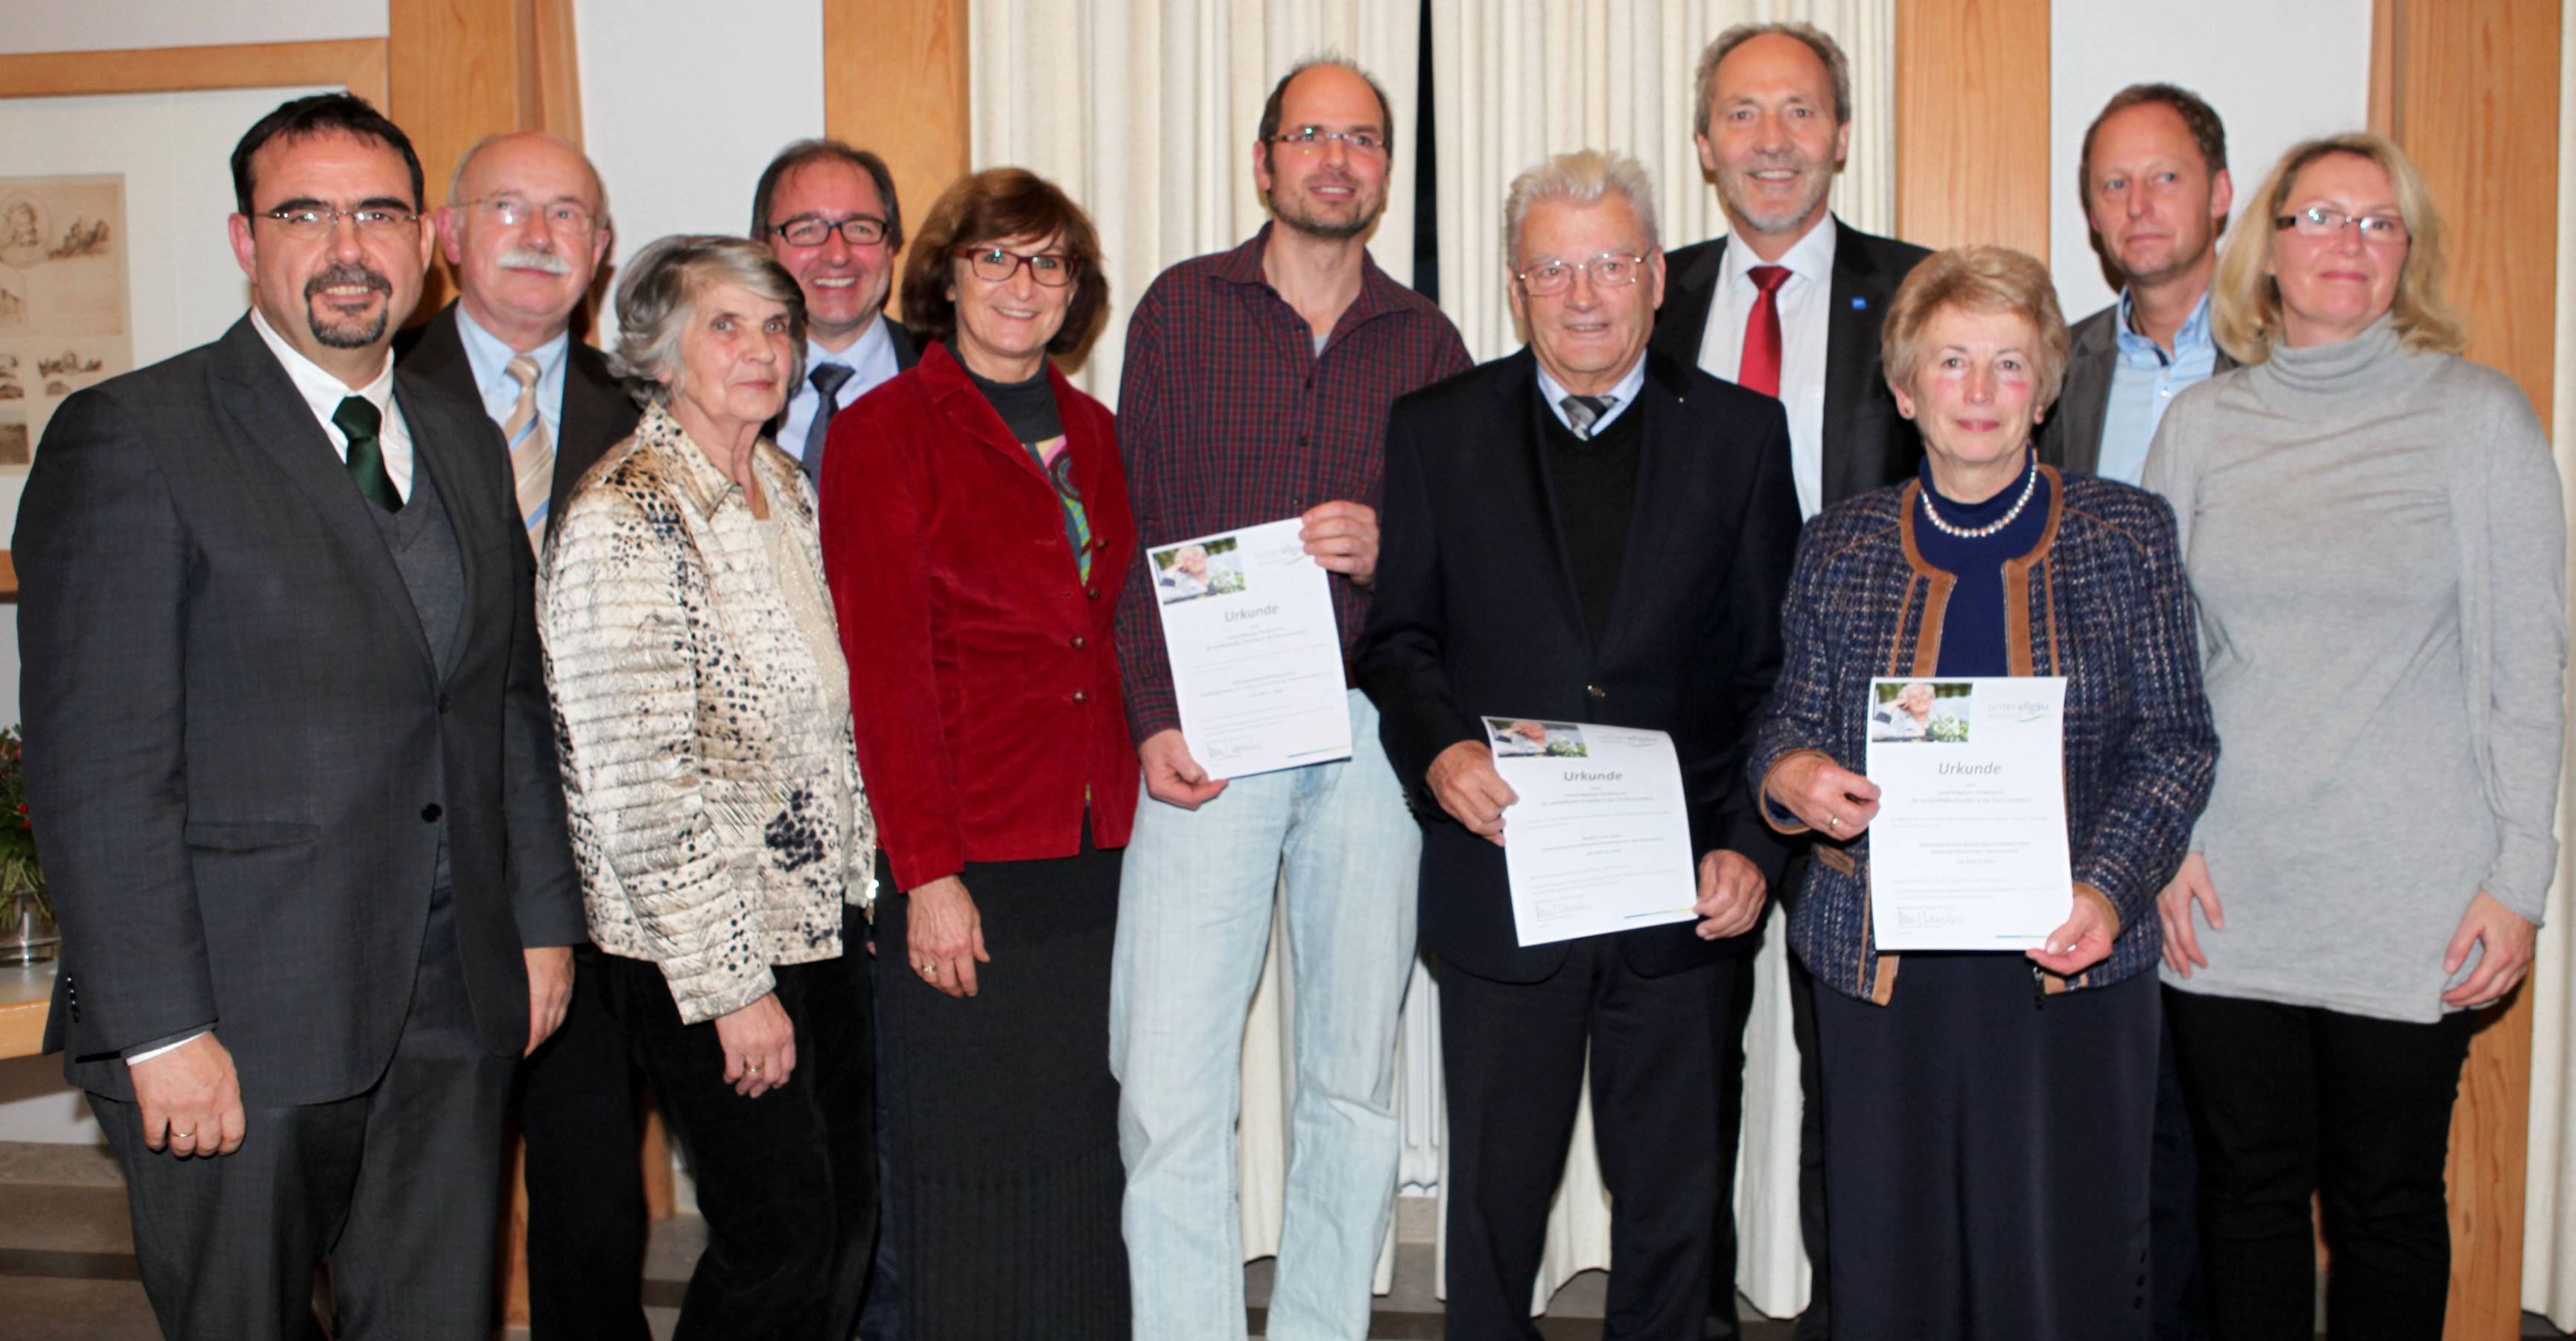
[(25, 995)]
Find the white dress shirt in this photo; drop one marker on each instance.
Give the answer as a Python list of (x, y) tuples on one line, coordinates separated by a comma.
[(1620, 397), (489, 356), (870, 359), (1806, 311), (323, 392)]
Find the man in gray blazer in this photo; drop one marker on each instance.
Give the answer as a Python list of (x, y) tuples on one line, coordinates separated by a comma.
[(287, 731), (2154, 171)]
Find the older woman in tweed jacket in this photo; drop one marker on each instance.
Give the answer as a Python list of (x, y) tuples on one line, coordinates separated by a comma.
[(1987, 1116), (703, 707)]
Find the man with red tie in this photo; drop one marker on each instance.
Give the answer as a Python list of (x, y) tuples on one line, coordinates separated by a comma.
[(1793, 313)]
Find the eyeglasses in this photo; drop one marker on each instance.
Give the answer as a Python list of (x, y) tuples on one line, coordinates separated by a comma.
[(996, 266), (2318, 221), (1609, 270), (813, 230), (1310, 140), (569, 217), (307, 222)]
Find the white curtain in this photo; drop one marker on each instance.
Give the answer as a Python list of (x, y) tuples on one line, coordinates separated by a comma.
[(1144, 111), (2549, 1203), (1514, 81)]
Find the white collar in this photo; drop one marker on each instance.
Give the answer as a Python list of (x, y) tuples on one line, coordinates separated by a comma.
[(1810, 257), (323, 390)]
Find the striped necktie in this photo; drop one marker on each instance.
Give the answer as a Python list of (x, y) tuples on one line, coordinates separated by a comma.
[(532, 453), (1582, 412)]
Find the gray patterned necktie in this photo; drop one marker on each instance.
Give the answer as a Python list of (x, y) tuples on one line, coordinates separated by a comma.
[(1582, 412), (827, 379)]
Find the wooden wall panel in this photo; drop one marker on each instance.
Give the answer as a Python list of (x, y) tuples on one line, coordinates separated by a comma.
[(357, 64), (895, 81), (1972, 119), (2469, 88)]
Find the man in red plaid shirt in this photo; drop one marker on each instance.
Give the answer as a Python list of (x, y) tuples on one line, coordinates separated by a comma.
[(1256, 387)]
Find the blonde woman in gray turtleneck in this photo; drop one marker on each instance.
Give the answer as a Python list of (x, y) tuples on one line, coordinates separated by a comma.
[(2372, 528)]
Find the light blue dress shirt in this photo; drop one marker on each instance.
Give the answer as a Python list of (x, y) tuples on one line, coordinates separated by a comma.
[(2144, 380), (490, 357), (871, 361)]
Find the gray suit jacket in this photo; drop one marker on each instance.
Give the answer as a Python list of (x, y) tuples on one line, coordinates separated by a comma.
[(240, 750), (2071, 437)]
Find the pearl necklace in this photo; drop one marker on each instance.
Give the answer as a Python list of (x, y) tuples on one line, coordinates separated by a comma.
[(2029, 484)]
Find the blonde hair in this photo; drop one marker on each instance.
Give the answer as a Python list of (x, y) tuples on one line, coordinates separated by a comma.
[(1977, 279), (2245, 302)]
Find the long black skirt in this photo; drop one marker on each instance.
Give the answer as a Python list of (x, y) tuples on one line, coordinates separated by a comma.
[(1986, 1154), (1002, 1117)]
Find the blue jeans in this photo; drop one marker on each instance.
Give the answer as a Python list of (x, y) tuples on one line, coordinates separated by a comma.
[(1194, 923)]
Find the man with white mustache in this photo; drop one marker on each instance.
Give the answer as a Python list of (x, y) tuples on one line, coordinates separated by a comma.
[(1794, 313), (524, 230)]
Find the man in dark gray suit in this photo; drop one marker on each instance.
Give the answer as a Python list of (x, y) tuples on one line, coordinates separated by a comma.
[(829, 213), (287, 728), (2154, 169), (1788, 304), (524, 230)]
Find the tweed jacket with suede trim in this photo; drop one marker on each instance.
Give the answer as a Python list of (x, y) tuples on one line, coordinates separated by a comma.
[(2100, 600)]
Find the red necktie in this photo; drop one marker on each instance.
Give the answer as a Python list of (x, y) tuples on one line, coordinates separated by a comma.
[(1760, 368)]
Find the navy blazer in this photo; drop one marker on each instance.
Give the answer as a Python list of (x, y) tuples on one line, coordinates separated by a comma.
[(1475, 611), (240, 756), (1867, 443)]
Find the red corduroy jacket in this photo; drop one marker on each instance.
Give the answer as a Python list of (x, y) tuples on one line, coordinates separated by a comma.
[(983, 667)]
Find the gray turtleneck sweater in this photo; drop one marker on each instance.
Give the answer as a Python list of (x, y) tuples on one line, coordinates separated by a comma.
[(2375, 542)]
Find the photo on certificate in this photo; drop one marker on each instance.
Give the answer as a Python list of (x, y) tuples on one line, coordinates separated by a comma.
[(1524, 738), (1199, 568), (1928, 711)]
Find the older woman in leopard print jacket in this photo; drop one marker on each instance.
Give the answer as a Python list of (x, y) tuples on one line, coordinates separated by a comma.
[(703, 709)]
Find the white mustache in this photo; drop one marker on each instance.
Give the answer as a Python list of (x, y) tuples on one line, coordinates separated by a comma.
[(529, 258)]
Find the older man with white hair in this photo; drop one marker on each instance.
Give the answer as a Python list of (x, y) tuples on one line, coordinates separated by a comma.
[(524, 230), (1585, 532)]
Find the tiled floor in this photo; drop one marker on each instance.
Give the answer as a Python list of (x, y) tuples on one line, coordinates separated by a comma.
[(67, 1269)]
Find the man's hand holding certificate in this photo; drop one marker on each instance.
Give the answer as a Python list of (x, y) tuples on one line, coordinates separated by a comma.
[(1968, 850), (1598, 839), (1256, 660)]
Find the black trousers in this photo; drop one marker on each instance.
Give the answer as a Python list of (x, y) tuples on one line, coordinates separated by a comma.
[(787, 1181), (398, 1188), (2290, 1102), (1513, 1055), (1987, 1154), (586, 1217)]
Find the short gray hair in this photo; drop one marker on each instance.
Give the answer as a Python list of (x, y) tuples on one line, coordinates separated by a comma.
[(660, 293), (1816, 39), (1581, 178)]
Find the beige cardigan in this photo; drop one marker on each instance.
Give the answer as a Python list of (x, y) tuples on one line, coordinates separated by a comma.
[(702, 708)]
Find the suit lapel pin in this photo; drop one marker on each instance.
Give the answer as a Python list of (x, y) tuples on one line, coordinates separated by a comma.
[(1859, 304)]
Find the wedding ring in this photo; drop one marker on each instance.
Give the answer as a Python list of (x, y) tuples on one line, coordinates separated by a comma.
[(1833, 821), (183, 1135), (751, 1066)]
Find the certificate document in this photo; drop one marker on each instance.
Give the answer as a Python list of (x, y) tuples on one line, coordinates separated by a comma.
[(1256, 657), (1600, 837), (1969, 848)]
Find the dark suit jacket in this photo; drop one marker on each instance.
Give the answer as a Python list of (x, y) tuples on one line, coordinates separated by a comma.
[(1868, 445), (239, 749), (597, 412), (1475, 612), (2071, 437)]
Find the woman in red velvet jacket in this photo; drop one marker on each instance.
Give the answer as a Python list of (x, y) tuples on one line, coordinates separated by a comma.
[(976, 534)]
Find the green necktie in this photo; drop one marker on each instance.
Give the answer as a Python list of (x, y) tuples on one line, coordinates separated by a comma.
[(360, 419)]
